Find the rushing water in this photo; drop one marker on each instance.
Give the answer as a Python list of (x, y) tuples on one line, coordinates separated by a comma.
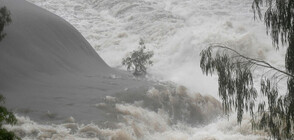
[(173, 120), (176, 31)]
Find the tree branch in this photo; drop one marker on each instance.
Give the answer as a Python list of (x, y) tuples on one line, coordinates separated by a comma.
[(257, 62)]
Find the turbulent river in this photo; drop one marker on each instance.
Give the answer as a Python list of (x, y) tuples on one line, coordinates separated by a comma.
[(176, 31)]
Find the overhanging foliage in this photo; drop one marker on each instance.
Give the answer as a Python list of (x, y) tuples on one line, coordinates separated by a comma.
[(237, 92)]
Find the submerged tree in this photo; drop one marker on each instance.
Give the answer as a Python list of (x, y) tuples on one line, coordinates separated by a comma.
[(6, 117), (138, 60), (275, 114)]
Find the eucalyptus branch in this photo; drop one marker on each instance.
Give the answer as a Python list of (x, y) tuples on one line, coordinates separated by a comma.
[(260, 63)]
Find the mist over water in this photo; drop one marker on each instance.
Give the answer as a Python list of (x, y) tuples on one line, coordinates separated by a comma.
[(176, 31)]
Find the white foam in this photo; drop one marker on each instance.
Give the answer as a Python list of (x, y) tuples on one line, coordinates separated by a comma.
[(139, 123)]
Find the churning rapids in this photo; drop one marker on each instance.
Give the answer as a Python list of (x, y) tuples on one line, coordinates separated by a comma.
[(176, 30)]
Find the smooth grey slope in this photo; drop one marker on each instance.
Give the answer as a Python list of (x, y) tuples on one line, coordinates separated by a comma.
[(46, 65)]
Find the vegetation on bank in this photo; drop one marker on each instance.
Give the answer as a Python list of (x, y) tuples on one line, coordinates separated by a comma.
[(6, 117), (5, 19), (275, 113)]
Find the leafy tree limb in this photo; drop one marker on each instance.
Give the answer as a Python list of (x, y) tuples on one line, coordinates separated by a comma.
[(237, 91), (275, 113)]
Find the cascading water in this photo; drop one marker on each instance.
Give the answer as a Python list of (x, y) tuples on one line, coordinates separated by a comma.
[(176, 31)]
